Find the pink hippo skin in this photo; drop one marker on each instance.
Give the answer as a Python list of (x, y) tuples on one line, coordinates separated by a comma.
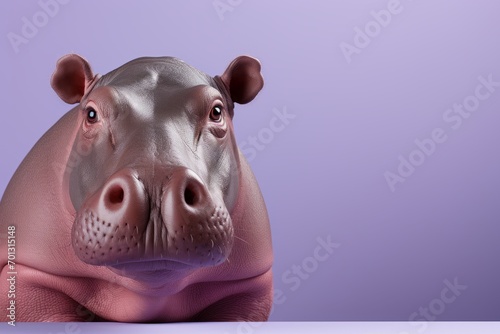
[(137, 205)]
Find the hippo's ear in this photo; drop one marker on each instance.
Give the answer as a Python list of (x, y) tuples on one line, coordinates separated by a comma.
[(72, 78), (242, 79)]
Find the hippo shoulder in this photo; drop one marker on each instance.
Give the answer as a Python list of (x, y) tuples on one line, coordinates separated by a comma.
[(35, 195)]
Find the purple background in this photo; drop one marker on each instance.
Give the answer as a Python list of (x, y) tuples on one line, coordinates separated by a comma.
[(324, 173)]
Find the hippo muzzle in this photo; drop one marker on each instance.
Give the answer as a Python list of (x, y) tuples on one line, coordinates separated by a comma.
[(134, 225)]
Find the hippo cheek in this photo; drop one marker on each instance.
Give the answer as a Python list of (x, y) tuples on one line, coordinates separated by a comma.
[(163, 226)]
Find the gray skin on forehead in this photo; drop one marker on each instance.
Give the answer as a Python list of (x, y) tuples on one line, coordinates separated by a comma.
[(152, 72)]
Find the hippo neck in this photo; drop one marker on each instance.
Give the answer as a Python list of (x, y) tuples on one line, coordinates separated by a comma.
[(250, 210), (55, 148)]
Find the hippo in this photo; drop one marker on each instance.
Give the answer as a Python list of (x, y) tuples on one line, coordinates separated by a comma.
[(137, 205)]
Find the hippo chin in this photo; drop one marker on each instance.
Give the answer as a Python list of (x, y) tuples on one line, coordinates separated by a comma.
[(141, 206)]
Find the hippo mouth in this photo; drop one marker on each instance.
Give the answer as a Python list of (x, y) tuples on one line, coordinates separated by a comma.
[(132, 226), (151, 266)]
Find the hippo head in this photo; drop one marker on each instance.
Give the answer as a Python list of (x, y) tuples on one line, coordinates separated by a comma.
[(153, 175)]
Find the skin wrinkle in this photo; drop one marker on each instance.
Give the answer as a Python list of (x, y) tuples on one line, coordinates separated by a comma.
[(112, 138), (186, 144)]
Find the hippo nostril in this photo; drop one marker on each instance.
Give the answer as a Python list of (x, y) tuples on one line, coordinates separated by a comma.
[(116, 195), (190, 196), (184, 197)]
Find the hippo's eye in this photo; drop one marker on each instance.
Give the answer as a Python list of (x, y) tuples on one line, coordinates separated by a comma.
[(216, 114), (91, 115)]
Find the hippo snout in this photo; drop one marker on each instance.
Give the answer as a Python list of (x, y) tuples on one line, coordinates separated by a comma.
[(137, 223)]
